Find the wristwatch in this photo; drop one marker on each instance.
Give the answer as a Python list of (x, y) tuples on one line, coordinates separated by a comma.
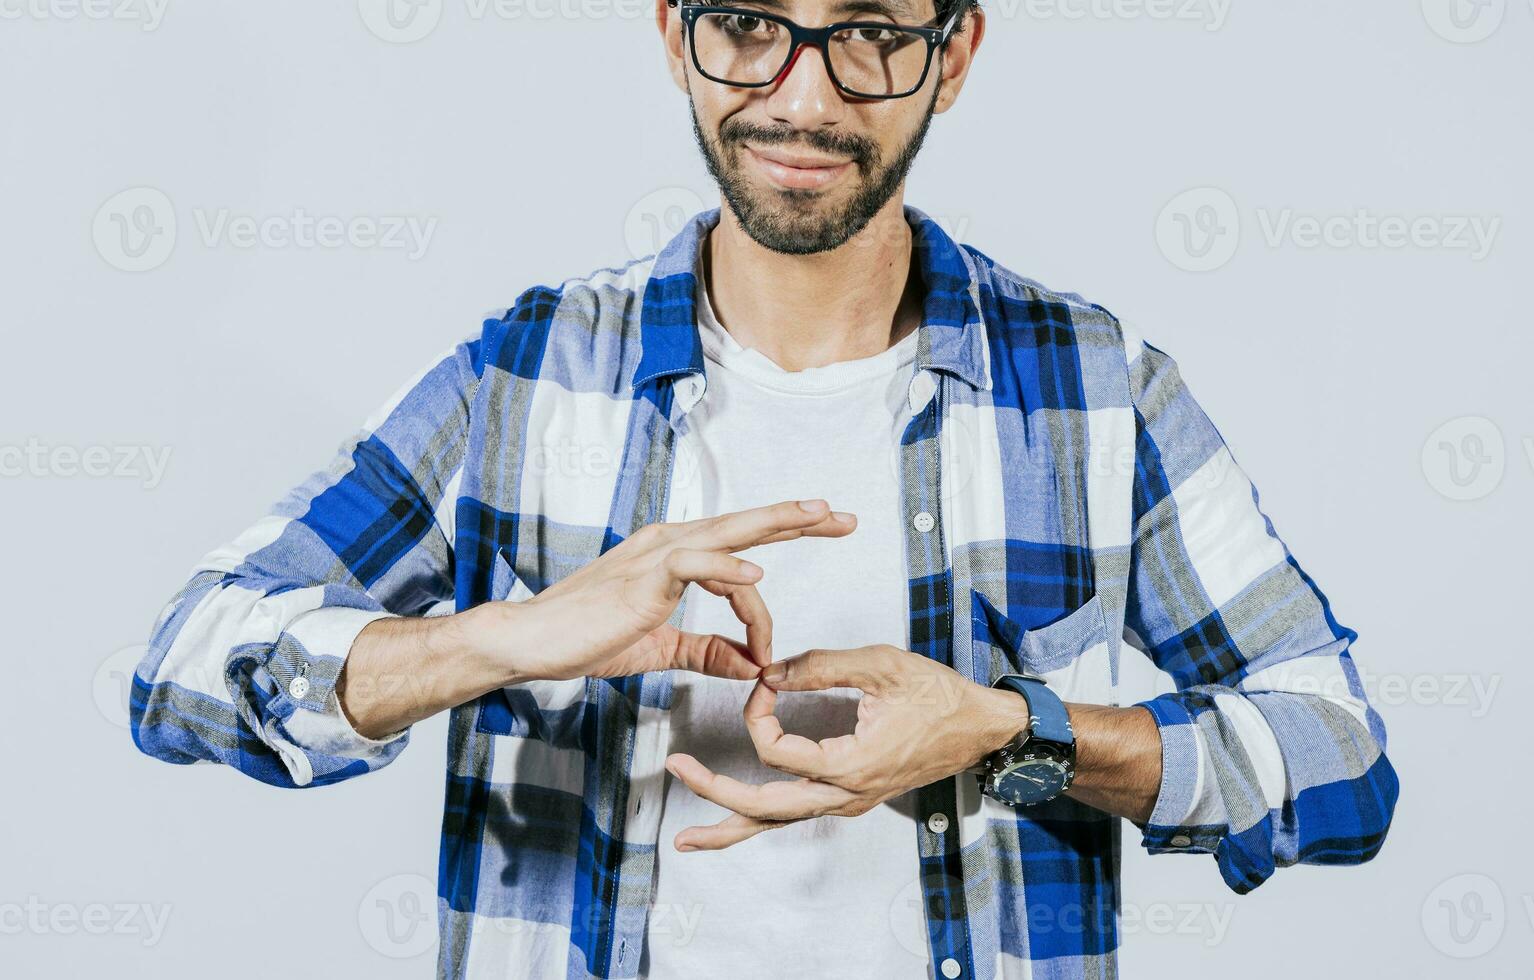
[(1040, 761)]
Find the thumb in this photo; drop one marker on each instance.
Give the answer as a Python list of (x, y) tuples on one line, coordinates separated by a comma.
[(816, 670)]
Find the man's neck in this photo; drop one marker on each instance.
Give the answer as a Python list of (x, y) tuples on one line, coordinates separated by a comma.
[(805, 311)]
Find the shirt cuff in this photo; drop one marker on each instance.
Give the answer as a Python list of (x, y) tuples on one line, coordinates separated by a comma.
[(1180, 821), (322, 639)]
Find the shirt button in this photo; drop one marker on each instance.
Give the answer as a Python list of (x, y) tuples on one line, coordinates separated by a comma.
[(937, 823), (923, 522), (298, 688), (1181, 841), (950, 968)]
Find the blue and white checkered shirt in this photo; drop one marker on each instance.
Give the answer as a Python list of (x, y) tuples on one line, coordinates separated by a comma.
[(1064, 495)]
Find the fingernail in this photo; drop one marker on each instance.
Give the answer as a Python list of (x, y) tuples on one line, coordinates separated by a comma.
[(844, 516), (775, 673), (813, 505)]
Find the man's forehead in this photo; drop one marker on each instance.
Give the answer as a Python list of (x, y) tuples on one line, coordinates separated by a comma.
[(826, 11)]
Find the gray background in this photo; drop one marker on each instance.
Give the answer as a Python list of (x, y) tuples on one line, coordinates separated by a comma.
[(541, 147)]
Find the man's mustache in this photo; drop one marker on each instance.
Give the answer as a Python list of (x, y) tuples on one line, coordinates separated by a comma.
[(860, 150)]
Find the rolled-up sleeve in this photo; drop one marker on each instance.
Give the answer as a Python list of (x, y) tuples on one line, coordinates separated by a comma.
[(242, 663), (1271, 753)]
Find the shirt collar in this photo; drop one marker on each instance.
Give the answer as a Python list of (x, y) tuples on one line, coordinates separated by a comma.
[(952, 336)]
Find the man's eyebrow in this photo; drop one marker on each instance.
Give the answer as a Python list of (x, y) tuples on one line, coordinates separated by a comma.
[(900, 10)]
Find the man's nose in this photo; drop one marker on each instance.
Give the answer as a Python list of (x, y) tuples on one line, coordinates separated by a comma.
[(804, 95)]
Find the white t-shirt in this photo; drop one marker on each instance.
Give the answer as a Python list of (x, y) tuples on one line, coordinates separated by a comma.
[(833, 896)]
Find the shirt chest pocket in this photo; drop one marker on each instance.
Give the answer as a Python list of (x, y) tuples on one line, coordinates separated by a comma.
[(543, 711), (1071, 652)]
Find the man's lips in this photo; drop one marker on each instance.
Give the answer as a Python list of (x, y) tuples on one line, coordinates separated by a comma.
[(797, 170)]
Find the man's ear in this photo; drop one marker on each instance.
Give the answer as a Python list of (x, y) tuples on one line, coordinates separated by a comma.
[(958, 56), (669, 20)]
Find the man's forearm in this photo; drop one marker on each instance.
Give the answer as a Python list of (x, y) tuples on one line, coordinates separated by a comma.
[(1118, 759), (402, 670)]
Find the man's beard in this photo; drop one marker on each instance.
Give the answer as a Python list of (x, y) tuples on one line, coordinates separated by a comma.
[(782, 220)]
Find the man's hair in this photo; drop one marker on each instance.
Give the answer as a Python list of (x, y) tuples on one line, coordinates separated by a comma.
[(945, 7)]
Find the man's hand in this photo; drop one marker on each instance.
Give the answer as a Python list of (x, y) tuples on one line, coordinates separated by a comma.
[(918, 722), (606, 620), (609, 618)]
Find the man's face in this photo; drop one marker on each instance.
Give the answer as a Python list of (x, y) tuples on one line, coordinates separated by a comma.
[(802, 166)]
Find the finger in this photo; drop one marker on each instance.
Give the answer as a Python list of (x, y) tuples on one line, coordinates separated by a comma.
[(731, 830), (869, 669), (765, 525), (715, 655), (837, 524), (824, 760), (783, 799), (683, 565), (751, 610)]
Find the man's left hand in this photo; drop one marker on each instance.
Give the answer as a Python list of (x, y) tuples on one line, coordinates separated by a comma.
[(918, 722)]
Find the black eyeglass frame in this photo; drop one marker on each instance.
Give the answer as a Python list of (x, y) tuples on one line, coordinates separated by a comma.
[(817, 37)]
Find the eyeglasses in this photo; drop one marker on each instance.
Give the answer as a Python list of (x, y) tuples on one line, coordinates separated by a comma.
[(746, 48)]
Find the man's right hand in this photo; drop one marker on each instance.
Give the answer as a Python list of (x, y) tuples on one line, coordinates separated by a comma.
[(609, 619)]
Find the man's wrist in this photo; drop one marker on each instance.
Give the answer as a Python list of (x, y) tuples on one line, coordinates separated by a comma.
[(1003, 714), (487, 640)]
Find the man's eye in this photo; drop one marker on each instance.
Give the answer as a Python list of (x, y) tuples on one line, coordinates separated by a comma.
[(746, 24), (873, 35)]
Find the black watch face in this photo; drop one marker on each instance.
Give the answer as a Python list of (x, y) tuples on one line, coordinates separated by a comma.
[(1031, 781)]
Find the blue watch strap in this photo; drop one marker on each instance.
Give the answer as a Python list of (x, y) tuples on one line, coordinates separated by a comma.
[(1051, 722)]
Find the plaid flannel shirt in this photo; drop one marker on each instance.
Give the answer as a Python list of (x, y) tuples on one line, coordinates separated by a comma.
[(1064, 494)]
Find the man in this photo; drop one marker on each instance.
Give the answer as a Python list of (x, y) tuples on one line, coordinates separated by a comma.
[(885, 744)]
